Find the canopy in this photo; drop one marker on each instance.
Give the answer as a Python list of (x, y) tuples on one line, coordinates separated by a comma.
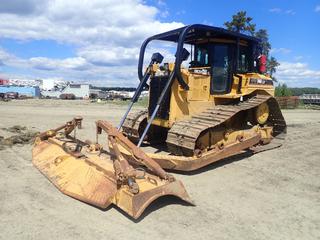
[(198, 31), (190, 34)]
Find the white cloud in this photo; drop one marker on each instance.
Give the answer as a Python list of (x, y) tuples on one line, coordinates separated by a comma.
[(298, 58), (104, 56), (71, 69), (43, 63), (161, 3), (275, 10), (206, 22), (94, 66), (317, 8), (282, 11), (10, 59), (164, 13), (181, 12), (298, 74), (290, 12), (4, 55), (23, 7), (87, 22), (281, 50), (105, 33)]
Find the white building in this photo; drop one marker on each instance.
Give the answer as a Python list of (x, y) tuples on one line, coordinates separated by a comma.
[(78, 90), (47, 84), (97, 93)]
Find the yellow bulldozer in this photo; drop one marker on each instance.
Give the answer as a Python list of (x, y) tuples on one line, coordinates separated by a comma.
[(214, 101)]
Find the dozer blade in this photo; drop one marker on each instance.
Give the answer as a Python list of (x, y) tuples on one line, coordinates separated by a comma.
[(88, 173)]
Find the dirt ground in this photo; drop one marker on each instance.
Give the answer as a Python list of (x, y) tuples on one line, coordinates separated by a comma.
[(271, 195)]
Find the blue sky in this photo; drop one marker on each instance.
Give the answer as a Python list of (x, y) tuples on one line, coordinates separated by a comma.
[(98, 41), (293, 25)]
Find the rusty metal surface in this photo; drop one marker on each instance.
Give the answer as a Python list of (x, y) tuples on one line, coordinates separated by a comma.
[(68, 127), (139, 155), (184, 134), (215, 155), (92, 175), (184, 163), (74, 176)]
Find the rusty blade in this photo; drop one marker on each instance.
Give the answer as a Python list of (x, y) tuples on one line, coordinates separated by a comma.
[(91, 178), (73, 176), (132, 148), (136, 204)]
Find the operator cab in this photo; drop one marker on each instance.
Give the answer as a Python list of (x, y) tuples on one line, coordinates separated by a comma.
[(219, 52), (218, 58), (215, 57)]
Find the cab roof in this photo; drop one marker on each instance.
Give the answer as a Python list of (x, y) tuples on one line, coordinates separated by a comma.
[(200, 31)]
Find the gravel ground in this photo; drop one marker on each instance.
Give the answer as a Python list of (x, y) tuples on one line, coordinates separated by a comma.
[(270, 195)]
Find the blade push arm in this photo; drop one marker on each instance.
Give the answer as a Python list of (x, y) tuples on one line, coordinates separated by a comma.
[(115, 137), (68, 127)]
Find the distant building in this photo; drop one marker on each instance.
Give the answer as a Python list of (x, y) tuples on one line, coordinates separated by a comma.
[(80, 91), (21, 90), (144, 94), (4, 81), (51, 94), (98, 94), (46, 84), (24, 82)]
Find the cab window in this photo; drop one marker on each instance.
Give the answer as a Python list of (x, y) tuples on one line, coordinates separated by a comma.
[(243, 63), (202, 56), (220, 68)]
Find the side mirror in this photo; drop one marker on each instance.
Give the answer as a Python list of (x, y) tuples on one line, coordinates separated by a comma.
[(156, 58), (185, 54)]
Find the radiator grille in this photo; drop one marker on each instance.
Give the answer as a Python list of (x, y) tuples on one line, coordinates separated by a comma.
[(157, 84)]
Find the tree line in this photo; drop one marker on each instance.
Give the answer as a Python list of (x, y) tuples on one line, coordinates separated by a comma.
[(282, 90)]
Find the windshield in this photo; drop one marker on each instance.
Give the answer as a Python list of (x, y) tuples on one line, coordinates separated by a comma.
[(243, 63), (220, 68), (202, 56)]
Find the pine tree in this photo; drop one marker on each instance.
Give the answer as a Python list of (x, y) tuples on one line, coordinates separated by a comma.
[(263, 35), (272, 63), (282, 90), (241, 23)]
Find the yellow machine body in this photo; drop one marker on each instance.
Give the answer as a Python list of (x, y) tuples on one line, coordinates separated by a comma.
[(191, 120), (186, 103), (228, 102)]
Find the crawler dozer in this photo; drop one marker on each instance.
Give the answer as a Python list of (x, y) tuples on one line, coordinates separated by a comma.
[(214, 101)]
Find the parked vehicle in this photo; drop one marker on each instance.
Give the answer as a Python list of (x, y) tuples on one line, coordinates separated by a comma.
[(67, 96), (11, 95)]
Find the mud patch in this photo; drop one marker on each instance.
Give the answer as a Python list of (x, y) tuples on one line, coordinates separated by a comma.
[(15, 129), (23, 136)]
